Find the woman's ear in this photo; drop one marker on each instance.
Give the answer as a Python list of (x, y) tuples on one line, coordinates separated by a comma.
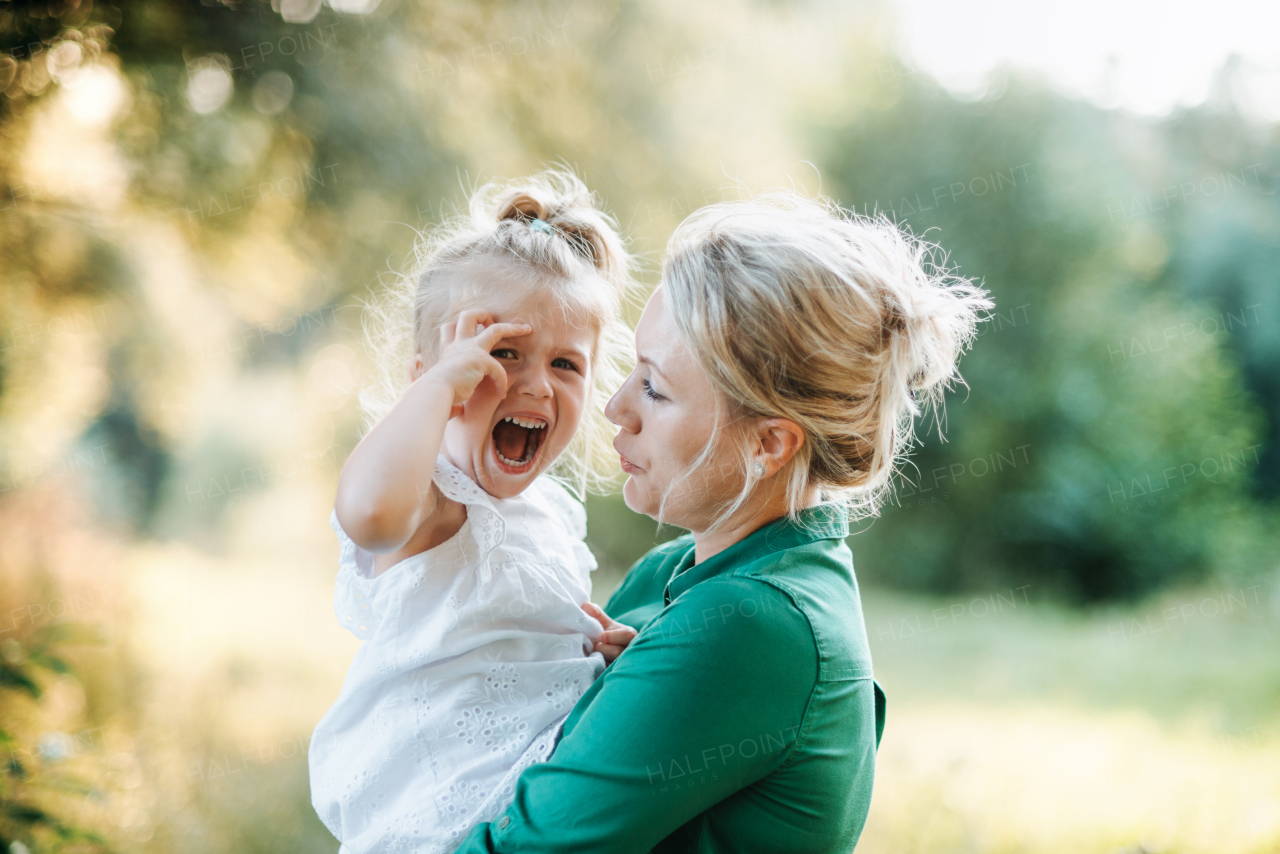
[(780, 440), (417, 368)]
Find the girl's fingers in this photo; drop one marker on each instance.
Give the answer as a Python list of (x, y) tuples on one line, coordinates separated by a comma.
[(609, 651), (479, 324), (464, 326), (469, 320), (495, 332), (615, 638), (598, 613), (618, 637), (493, 368)]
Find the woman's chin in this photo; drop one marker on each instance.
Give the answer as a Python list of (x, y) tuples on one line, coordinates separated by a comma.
[(635, 499)]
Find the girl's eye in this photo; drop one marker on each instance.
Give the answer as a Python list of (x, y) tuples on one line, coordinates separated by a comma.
[(649, 392), (503, 353), (564, 363)]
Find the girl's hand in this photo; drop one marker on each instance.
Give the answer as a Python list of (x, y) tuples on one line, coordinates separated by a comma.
[(616, 636), (464, 354)]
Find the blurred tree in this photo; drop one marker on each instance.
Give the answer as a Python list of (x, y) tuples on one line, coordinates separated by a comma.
[(1223, 231), (287, 152), (1106, 445)]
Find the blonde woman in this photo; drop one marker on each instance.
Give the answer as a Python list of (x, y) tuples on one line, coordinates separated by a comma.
[(780, 365)]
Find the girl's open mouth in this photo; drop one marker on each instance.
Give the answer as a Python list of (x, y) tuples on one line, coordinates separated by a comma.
[(516, 441)]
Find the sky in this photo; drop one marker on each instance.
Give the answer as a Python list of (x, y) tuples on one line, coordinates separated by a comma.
[(1147, 57)]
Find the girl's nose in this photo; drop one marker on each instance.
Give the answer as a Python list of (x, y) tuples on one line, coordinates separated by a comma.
[(533, 382)]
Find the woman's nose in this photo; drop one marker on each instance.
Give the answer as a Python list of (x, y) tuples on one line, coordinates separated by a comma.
[(617, 410)]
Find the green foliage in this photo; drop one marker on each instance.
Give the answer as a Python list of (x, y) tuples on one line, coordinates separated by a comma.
[(1107, 443), (1103, 237), (23, 817)]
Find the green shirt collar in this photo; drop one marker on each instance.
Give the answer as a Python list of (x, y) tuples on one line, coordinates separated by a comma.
[(821, 522)]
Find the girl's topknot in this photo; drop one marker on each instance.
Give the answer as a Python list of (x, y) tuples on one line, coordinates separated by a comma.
[(564, 203)]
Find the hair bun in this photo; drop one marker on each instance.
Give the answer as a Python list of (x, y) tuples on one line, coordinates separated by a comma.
[(562, 201), (847, 325), (522, 207)]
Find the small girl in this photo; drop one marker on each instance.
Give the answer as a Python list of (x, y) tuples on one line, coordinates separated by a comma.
[(462, 567)]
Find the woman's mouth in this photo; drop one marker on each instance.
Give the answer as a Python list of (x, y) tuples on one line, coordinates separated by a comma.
[(516, 441), (628, 466)]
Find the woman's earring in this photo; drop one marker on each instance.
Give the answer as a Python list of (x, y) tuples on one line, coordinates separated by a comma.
[(759, 469)]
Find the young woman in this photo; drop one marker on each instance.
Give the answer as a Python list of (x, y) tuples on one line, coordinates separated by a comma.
[(780, 366)]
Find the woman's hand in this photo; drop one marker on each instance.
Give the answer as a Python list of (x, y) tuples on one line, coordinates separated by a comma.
[(464, 354), (616, 636)]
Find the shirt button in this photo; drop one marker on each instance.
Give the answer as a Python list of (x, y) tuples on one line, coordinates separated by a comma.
[(503, 822)]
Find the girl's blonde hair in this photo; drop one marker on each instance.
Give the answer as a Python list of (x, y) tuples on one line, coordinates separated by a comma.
[(573, 256), (844, 324)]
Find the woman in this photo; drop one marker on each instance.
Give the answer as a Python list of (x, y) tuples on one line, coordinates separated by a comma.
[(780, 365)]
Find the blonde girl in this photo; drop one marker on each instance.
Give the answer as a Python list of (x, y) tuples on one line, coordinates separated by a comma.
[(463, 565)]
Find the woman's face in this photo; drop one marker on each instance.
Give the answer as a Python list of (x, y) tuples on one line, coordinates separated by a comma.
[(667, 411)]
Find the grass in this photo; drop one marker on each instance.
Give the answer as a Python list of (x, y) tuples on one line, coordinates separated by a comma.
[(1037, 729), (1014, 725)]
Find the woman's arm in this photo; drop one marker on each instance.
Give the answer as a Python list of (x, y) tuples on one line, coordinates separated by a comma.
[(385, 491), (706, 701)]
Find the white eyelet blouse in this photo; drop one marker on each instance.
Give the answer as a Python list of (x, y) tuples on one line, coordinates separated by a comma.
[(474, 653)]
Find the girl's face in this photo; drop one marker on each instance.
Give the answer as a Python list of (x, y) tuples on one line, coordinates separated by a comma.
[(505, 441), (667, 411)]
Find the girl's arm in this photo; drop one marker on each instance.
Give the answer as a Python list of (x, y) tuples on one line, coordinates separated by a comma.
[(385, 491)]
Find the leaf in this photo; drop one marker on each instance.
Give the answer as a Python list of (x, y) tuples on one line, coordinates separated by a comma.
[(68, 633), (50, 662), (30, 815), (66, 786), (13, 677)]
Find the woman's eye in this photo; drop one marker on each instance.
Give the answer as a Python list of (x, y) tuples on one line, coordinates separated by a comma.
[(564, 363), (503, 353), (649, 392)]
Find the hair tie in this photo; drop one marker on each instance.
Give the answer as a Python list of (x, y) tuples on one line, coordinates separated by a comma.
[(538, 225)]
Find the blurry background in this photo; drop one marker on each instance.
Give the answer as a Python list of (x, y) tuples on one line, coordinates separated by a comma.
[(1073, 606)]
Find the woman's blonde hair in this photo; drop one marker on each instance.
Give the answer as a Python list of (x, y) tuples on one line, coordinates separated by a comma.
[(560, 242), (845, 324)]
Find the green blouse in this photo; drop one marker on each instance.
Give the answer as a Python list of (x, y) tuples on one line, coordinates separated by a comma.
[(743, 717)]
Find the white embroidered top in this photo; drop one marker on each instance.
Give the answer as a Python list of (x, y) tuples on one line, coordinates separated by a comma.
[(474, 653)]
